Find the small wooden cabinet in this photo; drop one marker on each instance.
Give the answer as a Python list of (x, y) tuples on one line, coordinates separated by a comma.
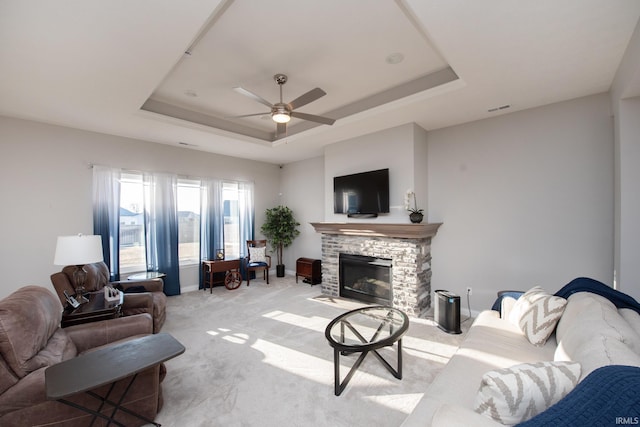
[(310, 269)]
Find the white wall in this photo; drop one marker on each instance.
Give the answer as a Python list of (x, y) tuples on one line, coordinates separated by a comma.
[(46, 189), (302, 188), (526, 199), (628, 175), (420, 169), (391, 148), (625, 102)]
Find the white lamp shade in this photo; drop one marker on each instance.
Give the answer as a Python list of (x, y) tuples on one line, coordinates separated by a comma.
[(78, 250)]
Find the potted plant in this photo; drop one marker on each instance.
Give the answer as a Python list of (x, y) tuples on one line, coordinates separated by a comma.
[(416, 214), (280, 229)]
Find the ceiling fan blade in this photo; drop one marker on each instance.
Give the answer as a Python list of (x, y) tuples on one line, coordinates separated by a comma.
[(306, 98), (253, 96), (248, 115), (281, 129), (313, 118)]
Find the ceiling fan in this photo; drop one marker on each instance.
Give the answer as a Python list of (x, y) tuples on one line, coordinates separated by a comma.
[(281, 112)]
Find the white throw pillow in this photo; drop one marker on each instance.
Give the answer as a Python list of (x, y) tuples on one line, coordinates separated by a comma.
[(514, 395), (257, 254), (537, 314)]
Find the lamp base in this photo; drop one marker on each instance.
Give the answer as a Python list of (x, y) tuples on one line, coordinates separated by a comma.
[(79, 277)]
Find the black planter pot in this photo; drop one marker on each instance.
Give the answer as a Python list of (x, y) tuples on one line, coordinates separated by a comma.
[(280, 270), (416, 217)]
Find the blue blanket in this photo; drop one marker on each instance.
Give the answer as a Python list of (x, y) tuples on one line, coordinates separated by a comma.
[(584, 284), (608, 396)]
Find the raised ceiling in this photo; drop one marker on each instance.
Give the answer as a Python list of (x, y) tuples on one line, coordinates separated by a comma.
[(322, 44), (120, 67)]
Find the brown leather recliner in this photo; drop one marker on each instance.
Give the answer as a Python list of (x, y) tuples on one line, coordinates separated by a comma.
[(134, 303), (31, 340)]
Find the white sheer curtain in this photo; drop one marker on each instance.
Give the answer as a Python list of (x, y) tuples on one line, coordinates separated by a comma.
[(247, 215), (211, 218), (161, 228), (106, 215)]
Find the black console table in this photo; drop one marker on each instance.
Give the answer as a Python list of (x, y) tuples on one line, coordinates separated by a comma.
[(106, 366)]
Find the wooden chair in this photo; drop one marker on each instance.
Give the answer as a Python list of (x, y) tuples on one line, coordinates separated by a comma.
[(258, 260)]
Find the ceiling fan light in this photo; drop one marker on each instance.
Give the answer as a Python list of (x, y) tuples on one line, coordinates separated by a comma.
[(281, 117)]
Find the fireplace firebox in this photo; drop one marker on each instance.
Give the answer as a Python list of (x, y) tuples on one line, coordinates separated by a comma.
[(366, 278)]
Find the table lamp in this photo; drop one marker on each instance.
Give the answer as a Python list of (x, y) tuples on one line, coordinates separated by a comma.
[(78, 250)]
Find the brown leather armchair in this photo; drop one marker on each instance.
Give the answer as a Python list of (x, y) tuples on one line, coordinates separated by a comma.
[(154, 301), (31, 340)]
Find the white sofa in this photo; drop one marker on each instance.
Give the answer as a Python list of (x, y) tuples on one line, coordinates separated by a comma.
[(591, 331)]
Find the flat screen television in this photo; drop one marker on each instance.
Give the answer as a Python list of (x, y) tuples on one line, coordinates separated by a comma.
[(362, 194)]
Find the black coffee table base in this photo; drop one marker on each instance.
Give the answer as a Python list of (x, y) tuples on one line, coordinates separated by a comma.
[(383, 326), (340, 386)]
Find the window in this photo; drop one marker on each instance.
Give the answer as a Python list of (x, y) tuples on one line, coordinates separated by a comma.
[(132, 239), (231, 220), (188, 221), (134, 198)]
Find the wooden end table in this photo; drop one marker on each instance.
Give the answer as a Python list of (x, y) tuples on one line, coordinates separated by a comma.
[(310, 269), (94, 310), (233, 278)]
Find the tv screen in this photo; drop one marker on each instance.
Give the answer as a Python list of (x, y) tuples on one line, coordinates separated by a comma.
[(362, 193)]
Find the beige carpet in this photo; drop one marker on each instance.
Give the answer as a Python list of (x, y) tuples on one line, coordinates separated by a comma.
[(257, 356)]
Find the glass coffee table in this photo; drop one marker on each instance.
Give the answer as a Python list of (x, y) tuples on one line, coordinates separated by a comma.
[(365, 330)]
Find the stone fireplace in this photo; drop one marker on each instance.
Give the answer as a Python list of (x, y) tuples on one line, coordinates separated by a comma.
[(407, 247)]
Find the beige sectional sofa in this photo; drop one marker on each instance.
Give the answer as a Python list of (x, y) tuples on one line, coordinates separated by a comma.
[(591, 331)]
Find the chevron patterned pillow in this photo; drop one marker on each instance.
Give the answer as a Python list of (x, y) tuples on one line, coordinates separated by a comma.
[(537, 314), (514, 395)]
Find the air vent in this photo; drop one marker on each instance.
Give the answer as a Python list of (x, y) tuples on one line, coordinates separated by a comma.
[(502, 107)]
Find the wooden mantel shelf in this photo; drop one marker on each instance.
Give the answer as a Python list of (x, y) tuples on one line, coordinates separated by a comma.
[(403, 231)]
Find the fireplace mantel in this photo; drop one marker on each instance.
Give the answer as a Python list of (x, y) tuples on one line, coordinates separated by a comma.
[(402, 231)]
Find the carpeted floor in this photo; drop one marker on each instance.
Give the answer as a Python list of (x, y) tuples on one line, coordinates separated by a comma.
[(257, 356)]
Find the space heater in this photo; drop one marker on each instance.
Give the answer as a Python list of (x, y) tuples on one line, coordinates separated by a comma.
[(447, 311)]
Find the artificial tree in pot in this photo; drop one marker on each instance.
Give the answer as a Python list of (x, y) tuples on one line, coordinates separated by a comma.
[(280, 229)]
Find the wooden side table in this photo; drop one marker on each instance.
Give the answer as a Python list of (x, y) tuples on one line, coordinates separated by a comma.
[(94, 310), (310, 269), (232, 280)]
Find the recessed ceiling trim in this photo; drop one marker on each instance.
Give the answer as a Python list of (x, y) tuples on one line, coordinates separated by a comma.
[(172, 111), (420, 84), (215, 16)]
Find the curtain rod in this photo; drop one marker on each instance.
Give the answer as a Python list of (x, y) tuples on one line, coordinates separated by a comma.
[(90, 165)]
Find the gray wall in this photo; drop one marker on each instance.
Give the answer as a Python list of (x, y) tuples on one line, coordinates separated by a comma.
[(47, 181), (302, 188), (525, 198), (625, 102)]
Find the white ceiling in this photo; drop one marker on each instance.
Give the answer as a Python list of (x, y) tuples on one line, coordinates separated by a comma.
[(94, 65)]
